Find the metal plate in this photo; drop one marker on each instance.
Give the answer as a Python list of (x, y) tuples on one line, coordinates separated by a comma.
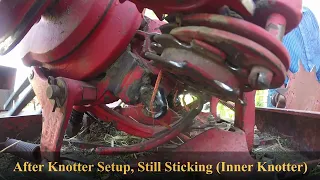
[(302, 126), (241, 28), (241, 53)]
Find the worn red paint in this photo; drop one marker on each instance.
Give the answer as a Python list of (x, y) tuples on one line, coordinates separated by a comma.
[(107, 38), (55, 123), (297, 95), (242, 46), (241, 28), (302, 126), (101, 56), (25, 127), (226, 144), (71, 30), (245, 117), (7, 77), (289, 9)]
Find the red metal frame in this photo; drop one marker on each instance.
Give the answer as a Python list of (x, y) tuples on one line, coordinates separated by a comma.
[(231, 143), (291, 10), (297, 96), (300, 126), (107, 38), (296, 113), (55, 123), (159, 138), (245, 117), (241, 28), (168, 6), (104, 51)]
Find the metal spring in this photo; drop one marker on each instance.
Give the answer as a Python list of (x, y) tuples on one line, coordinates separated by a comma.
[(76, 117)]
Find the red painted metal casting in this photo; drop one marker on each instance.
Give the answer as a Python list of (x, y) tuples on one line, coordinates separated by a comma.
[(7, 77), (112, 27), (241, 28), (168, 6), (300, 126), (64, 37), (249, 53), (231, 143), (56, 120), (90, 53), (291, 10)]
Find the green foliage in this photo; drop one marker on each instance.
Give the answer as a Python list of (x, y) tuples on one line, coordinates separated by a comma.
[(260, 101)]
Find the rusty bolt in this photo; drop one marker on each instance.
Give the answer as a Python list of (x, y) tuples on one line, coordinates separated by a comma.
[(53, 92), (260, 78)]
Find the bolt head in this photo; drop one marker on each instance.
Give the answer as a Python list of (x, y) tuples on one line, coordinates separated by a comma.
[(260, 78), (53, 91)]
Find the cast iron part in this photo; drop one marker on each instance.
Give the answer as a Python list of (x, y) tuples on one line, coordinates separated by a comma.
[(160, 104)]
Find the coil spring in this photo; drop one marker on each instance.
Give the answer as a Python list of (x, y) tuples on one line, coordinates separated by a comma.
[(76, 117)]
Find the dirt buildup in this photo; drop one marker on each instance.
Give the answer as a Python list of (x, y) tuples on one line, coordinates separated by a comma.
[(270, 145)]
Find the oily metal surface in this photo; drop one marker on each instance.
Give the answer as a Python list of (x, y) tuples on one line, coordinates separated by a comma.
[(81, 49), (193, 65), (198, 74), (242, 53), (242, 28)]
